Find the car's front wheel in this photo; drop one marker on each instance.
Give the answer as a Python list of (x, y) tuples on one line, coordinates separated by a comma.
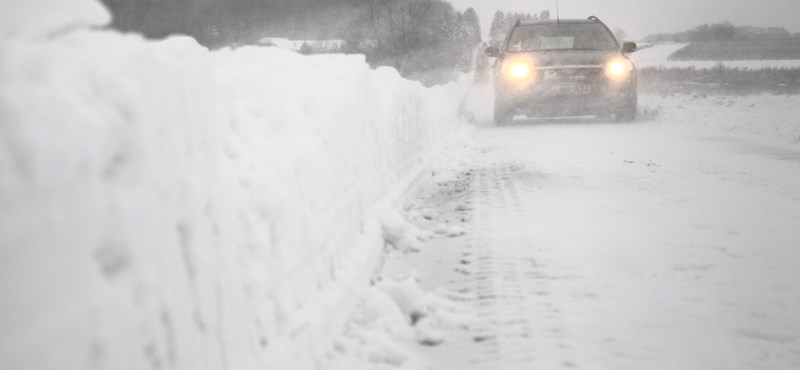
[(626, 112), (502, 115)]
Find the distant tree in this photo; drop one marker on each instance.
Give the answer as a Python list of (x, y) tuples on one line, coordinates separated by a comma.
[(498, 29), (512, 17), (424, 39), (466, 37), (724, 31), (544, 15), (761, 33), (459, 35), (473, 24), (352, 46), (306, 49)]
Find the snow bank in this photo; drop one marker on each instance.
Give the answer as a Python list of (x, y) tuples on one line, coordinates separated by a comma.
[(391, 321), (162, 206)]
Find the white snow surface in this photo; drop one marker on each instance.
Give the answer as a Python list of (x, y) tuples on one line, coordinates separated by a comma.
[(662, 244), (668, 243), (163, 206), (774, 119)]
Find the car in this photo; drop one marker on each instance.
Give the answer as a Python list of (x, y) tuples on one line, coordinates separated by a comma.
[(560, 68)]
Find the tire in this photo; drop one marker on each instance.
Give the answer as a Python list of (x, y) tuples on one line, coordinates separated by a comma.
[(627, 111), (502, 116)]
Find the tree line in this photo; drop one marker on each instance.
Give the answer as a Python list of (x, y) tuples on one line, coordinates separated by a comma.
[(426, 40), (719, 32), (232, 22)]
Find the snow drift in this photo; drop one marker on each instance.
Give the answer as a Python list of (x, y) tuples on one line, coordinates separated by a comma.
[(162, 206)]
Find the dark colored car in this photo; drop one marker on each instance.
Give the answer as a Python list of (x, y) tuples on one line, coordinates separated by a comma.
[(563, 68)]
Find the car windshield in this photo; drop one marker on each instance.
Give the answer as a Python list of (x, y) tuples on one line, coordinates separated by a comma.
[(561, 36)]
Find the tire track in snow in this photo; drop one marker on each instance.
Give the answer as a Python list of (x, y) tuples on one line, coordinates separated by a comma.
[(581, 252), (507, 275)]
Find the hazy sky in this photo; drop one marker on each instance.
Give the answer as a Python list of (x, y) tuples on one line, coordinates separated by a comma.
[(642, 17)]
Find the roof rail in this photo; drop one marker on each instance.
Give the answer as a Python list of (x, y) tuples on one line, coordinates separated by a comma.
[(593, 18)]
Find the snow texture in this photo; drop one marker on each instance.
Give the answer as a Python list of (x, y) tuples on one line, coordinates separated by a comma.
[(163, 206), (773, 118), (663, 244), (392, 321), (398, 233)]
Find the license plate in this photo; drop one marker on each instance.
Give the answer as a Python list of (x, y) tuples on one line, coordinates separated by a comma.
[(568, 90)]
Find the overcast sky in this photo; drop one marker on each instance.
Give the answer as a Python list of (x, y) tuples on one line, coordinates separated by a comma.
[(643, 17)]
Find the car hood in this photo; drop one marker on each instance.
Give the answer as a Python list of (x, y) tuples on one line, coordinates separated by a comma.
[(571, 57)]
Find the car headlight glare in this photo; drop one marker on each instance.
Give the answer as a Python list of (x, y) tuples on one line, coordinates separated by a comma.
[(618, 68), (520, 71)]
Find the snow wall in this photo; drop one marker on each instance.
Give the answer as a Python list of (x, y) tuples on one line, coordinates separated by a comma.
[(167, 207)]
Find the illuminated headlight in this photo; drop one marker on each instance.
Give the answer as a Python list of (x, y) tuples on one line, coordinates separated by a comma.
[(520, 71), (618, 68)]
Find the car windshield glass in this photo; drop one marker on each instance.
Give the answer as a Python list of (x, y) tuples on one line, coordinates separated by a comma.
[(561, 36)]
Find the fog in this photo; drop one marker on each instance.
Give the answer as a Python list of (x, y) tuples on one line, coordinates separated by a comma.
[(644, 17)]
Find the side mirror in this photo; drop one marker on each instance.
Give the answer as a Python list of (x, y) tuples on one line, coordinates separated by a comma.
[(493, 52), (629, 47)]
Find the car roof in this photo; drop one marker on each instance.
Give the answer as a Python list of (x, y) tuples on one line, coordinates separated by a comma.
[(554, 21)]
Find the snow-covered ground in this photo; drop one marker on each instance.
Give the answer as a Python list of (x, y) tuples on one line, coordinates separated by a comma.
[(657, 56), (767, 118), (163, 206), (670, 243)]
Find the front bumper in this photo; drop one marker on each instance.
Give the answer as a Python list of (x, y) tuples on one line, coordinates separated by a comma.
[(565, 92)]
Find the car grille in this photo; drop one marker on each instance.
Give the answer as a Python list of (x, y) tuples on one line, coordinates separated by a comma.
[(570, 75)]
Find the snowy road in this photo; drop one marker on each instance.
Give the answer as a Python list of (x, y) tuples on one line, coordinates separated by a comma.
[(618, 246)]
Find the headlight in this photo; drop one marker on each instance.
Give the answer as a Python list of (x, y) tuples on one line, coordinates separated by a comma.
[(618, 68), (520, 71)]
